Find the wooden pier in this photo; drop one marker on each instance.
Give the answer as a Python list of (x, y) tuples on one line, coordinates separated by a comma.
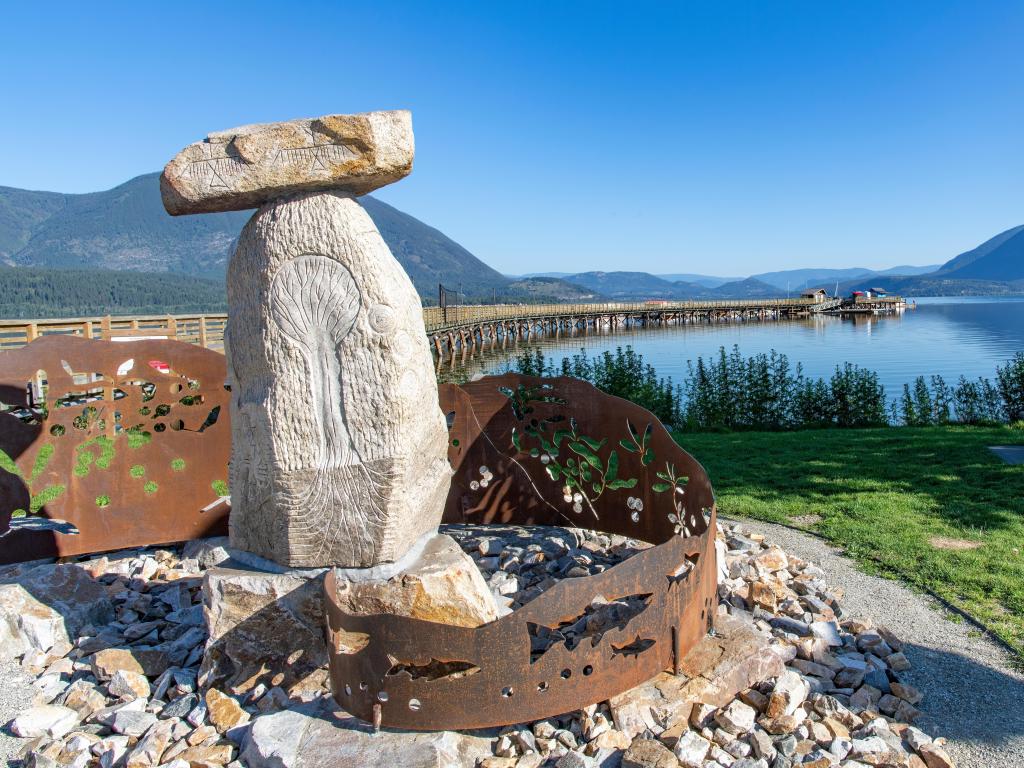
[(454, 328)]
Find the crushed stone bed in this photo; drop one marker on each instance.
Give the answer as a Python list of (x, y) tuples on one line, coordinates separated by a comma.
[(974, 693), (857, 689)]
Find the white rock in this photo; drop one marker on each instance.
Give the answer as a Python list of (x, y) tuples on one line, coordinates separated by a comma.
[(916, 738), (840, 747), (207, 552), (790, 691), (827, 631), (281, 739), (869, 746), (132, 722), (47, 720), (339, 445), (691, 749), (46, 605), (736, 718)]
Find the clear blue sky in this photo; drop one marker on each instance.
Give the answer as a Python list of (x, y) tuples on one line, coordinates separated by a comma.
[(721, 137)]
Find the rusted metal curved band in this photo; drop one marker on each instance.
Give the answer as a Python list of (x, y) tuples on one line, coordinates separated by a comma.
[(677, 578), (128, 447)]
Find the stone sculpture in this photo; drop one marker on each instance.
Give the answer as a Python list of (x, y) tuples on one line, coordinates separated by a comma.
[(338, 442), (254, 164)]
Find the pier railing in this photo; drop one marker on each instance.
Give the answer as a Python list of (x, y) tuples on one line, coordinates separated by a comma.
[(208, 330), (435, 320), (204, 330)]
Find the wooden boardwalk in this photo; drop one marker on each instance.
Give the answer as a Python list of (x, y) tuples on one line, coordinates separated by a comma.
[(463, 327), (453, 328)]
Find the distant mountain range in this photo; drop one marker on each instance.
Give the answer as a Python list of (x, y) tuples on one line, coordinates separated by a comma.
[(126, 229), (993, 268), (800, 279), (119, 251), (631, 286)]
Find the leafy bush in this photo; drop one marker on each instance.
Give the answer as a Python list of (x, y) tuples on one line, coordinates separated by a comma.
[(622, 373), (1011, 387)]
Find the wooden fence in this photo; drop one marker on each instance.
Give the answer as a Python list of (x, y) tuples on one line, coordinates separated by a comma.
[(204, 330)]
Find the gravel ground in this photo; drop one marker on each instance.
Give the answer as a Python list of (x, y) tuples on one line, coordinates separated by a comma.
[(15, 695), (973, 696)]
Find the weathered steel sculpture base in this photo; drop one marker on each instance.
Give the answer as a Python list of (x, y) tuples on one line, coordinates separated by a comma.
[(536, 451), (127, 447)]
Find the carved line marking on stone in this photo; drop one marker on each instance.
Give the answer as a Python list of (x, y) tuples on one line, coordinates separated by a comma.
[(317, 155), (314, 301), (216, 163), (253, 460)]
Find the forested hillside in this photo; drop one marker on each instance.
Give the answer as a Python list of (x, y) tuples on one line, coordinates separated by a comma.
[(127, 228), (27, 293)]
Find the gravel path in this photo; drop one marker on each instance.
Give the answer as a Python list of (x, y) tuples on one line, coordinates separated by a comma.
[(15, 695), (973, 696)]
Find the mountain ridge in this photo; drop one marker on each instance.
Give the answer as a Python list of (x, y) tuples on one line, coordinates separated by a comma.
[(127, 229)]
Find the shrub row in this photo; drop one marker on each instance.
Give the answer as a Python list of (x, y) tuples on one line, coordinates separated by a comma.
[(766, 392)]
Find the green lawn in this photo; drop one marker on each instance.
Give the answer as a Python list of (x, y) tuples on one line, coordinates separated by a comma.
[(882, 494)]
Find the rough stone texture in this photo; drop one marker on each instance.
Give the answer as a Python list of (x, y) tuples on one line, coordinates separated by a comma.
[(736, 657), (972, 688), (443, 585), (128, 685), (224, 712), (648, 753), (250, 165), (691, 749), (207, 552), (267, 627), (44, 721), (41, 605), (260, 621), (733, 659), (106, 663), (338, 443), (832, 723), (316, 737)]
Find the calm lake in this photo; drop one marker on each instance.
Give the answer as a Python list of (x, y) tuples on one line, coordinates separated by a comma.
[(947, 336)]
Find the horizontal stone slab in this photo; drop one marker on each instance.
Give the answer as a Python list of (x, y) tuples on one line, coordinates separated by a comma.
[(250, 165)]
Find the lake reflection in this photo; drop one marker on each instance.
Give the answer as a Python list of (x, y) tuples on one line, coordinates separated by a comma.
[(946, 336)]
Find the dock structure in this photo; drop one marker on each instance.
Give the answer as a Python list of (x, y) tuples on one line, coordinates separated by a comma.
[(869, 305)]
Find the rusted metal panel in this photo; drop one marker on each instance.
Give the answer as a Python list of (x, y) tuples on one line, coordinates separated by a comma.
[(127, 447), (522, 449)]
